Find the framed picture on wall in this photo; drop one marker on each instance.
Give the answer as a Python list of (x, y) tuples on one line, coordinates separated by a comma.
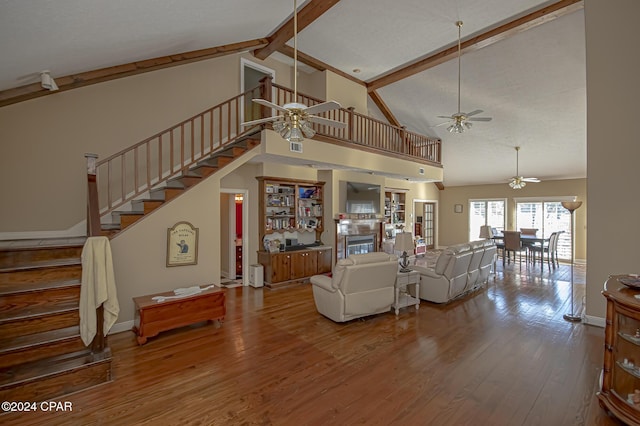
[(182, 245), (457, 208)]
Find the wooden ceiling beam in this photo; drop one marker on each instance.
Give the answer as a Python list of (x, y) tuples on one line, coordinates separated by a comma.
[(312, 11), (35, 90), (375, 97), (488, 38), (317, 64)]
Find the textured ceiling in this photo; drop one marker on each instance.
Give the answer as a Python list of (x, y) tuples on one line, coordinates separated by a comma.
[(532, 84)]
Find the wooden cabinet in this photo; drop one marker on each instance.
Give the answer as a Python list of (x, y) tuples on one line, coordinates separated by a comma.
[(279, 268), (325, 257), (288, 205), (303, 264), (620, 393)]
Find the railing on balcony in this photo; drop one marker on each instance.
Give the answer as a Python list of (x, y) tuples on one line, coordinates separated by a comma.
[(363, 130), (131, 172)]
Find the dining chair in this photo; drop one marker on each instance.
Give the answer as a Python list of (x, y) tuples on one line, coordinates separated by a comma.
[(512, 244), (528, 244), (545, 247), (553, 253)]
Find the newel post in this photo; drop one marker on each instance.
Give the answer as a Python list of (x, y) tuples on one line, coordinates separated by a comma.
[(351, 123), (266, 88), (93, 209), (403, 136), (93, 230)]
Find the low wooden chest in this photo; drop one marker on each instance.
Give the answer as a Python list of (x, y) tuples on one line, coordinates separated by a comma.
[(153, 317)]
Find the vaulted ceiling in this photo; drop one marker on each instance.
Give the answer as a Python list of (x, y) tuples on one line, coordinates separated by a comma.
[(523, 62)]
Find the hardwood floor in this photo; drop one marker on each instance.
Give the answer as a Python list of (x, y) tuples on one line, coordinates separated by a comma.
[(500, 356)]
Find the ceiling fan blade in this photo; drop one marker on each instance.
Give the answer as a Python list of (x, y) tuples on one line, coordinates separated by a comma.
[(469, 114), (270, 105), (326, 121), (480, 119), (534, 180), (260, 121), (323, 107), (446, 116), (442, 124)]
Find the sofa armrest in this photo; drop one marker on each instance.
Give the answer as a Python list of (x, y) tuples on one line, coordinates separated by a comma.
[(323, 281), (427, 272)]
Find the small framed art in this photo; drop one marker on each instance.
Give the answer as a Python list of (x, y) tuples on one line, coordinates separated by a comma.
[(182, 245)]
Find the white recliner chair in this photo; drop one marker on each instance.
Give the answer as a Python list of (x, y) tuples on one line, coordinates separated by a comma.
[(361, 285)]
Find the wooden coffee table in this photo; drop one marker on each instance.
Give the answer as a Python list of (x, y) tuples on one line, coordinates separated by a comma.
[(153, 317)]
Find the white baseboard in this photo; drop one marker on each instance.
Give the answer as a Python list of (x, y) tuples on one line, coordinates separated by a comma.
[(596, 321), (121, 326)]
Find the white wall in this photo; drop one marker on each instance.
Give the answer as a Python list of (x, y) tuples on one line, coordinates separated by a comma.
[(613, 144)]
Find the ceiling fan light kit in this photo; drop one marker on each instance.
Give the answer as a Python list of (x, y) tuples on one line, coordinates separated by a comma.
[(295, 122), (519, 182), (461, 120)]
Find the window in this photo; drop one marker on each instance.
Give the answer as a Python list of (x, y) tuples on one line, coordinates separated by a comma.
[(485, 212), (548, 216)]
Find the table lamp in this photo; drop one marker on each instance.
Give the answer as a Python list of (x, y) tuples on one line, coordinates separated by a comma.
[(404, 243), (486, 232)]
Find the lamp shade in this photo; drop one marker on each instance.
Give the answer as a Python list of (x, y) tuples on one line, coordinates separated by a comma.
[(486, 232), (571, 205), (404, 242)]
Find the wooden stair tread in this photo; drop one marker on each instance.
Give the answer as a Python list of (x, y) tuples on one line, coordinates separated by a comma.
[(37, 311), (43, 264), (36, 370), (21, 288), (39, 244), (38, 339)]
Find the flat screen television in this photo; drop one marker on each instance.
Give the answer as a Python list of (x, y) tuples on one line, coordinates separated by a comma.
[(363, 198)]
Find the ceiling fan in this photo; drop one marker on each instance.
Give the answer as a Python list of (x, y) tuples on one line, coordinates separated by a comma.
[(295, 120), (461, 120), (519, 182)]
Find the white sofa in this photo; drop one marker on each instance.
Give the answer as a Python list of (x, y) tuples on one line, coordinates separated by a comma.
[(360, 285), (458, 270)]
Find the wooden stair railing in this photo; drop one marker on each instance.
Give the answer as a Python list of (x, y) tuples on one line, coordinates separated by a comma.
[(183, 154)]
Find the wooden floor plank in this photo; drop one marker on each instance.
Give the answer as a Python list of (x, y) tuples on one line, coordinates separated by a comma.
[(500, 356)]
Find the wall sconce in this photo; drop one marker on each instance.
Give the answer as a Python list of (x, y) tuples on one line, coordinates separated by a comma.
[(47, 81)]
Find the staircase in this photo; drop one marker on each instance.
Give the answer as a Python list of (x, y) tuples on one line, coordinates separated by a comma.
[(121, 219), (41, 353)]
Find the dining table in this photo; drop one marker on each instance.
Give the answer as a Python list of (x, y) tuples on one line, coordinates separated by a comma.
[(528, 240)]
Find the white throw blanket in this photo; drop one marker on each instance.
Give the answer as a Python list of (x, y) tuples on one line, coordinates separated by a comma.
[(98, 288)]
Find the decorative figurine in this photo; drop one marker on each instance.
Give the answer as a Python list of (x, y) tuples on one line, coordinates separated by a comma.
[(635, 396)]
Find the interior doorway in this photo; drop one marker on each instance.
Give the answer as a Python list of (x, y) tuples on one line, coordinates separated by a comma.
[(425, 223), (233, 235), (250, 75)]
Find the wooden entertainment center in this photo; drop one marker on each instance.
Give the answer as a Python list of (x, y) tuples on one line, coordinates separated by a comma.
[(294, 207)]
